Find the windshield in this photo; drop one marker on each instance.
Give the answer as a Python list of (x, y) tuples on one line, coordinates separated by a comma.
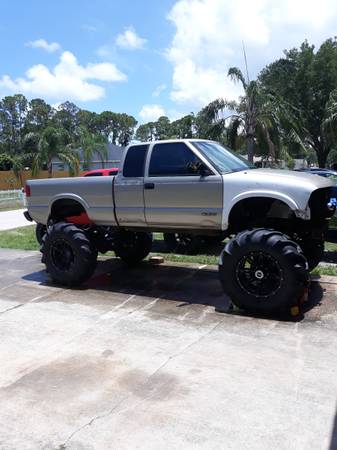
[(223, 159)]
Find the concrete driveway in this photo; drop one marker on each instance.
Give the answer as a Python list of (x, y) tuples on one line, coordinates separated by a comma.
[(141, 359), (13, 219)]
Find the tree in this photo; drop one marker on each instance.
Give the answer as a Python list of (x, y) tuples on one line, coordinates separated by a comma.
[(65, 117), (146, 132), (263, 117), (307, 79), (53, 143), (126, 125), (90, 144), (163, 128), (184, 127), (38, 115), (13, 110)]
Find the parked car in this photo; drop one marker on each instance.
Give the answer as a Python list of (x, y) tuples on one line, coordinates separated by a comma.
[(276, 218), (327, 173), (40, 229), (101, 172)]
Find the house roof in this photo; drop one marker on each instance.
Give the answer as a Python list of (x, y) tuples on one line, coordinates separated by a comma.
[(115, 153)]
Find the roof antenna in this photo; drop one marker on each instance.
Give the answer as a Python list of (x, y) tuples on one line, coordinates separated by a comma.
[(245, 56)]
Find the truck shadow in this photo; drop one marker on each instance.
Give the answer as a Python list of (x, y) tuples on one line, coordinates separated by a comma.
[(192, 285)]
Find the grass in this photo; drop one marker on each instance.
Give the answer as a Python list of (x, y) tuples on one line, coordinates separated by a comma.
[(21, 238), (24, 238)]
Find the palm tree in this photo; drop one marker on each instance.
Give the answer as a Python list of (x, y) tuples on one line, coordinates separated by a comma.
[(53, 143), (329, 125), (259, 114), (90, 144)]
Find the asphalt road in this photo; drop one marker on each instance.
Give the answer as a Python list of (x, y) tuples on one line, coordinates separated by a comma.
[(141, 359)]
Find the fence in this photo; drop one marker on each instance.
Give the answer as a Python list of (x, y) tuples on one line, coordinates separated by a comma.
[(11, 194), (9, 182)]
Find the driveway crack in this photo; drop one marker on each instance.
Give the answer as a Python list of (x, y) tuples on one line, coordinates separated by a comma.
[(155, 372)]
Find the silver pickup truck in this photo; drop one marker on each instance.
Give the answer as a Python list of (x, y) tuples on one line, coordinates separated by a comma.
[(275, 219)]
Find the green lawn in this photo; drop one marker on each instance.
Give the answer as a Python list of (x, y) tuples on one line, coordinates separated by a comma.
[(21, 238), (24, 238)]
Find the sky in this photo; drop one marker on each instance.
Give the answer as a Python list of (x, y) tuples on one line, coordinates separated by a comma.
[(148, 58)]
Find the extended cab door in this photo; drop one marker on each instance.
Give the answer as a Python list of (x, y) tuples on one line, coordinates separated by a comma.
[(175, 196), (129, 188)]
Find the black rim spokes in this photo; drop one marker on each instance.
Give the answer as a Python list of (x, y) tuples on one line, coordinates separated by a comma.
[(62, 255), (259, 274)]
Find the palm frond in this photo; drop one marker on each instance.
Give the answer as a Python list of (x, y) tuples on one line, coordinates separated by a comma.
[(236, 75)]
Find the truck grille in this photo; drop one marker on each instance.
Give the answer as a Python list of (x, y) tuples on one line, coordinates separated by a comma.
[(319, 201)]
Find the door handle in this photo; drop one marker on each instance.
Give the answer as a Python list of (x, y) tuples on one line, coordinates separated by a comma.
[(149, 186)]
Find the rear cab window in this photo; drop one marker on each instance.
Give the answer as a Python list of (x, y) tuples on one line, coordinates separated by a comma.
[(134, 163)]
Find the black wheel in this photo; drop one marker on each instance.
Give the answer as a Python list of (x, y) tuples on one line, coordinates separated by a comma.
[(68, 254), (133, 247), (263, 271), (185, 244), (40, 231), (313, 251)]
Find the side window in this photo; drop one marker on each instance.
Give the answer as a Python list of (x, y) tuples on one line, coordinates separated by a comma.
[(135, 161), (171, 159)]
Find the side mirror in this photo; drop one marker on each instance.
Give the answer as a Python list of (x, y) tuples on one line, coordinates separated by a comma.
[(203, 170), (199, 168)]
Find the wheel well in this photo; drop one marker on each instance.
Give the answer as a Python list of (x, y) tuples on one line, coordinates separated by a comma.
[(66, 207), (258, 211)]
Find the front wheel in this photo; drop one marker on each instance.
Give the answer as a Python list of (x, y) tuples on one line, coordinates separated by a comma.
[(68, 254), (263, 271)]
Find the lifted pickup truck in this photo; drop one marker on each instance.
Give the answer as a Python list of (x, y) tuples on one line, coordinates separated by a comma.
[(276, 219)]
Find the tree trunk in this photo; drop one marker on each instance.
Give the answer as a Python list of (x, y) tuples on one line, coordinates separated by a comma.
[(250, 147), (321, 159), (50, 169)]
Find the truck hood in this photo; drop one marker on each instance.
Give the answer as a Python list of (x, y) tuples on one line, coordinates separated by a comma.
[(293, 188), (290, 176)]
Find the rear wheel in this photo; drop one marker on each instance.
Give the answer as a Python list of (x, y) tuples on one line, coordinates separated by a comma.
[(133, 247), (68, 254), (263, 271), (40, 231), (182, 243)]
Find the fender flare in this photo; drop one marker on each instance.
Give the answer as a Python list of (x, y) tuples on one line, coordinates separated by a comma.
[(74, 197), (258, 193)]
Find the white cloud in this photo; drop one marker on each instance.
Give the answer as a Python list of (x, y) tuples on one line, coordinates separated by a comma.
[(209, 34), (50, 47), (129, 40), (159, 89), (104, 51), (90, 28), (150, 113), (68, 80)]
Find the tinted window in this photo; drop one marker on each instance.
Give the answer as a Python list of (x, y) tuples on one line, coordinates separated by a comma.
[(135, 161), (95, 174), (113, 172), (171, 160), (222, 158)]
